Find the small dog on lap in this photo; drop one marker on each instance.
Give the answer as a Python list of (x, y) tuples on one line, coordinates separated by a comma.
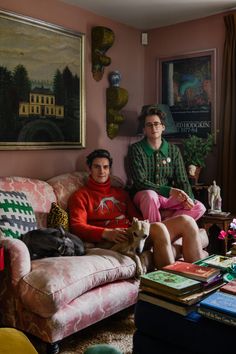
[(138, 233)]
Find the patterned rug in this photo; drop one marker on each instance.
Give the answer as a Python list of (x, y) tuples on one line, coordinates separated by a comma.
[(116, 330)]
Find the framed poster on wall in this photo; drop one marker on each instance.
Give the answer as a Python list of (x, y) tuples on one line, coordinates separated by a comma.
[(187, 84), (42, 103)]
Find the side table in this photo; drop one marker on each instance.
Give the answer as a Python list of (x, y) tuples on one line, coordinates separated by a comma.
[(213, 224)]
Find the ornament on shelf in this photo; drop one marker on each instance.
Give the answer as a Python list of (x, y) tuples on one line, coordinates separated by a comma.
[(102, 39), (117, 98)]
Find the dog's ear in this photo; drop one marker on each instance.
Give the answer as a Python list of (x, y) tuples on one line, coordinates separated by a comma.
[(134, 220)]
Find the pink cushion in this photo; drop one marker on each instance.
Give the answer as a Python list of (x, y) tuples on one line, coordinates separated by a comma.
[(66, 184), (39, 193), (66, 278)]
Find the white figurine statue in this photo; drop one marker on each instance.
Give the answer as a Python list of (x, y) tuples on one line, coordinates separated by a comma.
[(214, 197), (192, 170)]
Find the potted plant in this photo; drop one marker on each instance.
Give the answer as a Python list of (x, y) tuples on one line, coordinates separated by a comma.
[(195, 151)]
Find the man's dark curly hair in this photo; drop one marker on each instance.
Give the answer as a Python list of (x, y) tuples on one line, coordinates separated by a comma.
[(150, 111), (98, 154)]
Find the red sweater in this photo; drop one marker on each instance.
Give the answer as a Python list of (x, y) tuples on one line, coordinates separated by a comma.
[(97, 206)]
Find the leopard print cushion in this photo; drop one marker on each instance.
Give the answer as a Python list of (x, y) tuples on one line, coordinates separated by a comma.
[(57, 217)]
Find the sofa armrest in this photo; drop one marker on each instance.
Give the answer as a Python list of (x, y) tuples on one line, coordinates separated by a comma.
[(17, 256)]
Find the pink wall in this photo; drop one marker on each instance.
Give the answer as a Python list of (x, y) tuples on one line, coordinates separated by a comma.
[(137, 65), (127, 56), (171, 41)]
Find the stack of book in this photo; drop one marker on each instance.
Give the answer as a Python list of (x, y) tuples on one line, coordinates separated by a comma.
[(178, 287), (207, 275), (220, 306)]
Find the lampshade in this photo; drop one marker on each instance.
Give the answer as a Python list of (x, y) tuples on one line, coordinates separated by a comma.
[(170, 127)]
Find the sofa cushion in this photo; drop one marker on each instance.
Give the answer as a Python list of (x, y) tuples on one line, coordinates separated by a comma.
[(66, 184), (58, 217), (66, 278), (16, 214), (39, 193)]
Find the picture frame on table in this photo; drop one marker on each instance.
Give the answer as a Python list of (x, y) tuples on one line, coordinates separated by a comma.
[(187, 84), (42, 90)]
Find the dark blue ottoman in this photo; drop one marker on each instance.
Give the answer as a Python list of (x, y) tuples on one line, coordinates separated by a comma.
[(160, 331)]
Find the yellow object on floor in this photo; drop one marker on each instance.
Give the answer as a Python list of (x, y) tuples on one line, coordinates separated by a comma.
[(14, 341)]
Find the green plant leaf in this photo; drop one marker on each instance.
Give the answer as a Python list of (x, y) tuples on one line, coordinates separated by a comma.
[(196, 149)]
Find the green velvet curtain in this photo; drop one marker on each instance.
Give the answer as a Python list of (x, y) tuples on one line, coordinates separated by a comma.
[(227, 165)]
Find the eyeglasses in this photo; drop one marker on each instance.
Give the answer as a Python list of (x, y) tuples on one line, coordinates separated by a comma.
[(155, 124)]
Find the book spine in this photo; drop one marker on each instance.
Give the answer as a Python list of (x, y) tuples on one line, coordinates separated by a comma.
[(217, 316)]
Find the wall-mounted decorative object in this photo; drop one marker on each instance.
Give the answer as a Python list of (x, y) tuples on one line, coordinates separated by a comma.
[(117, 98), (187, 85), (102, 39), (144, 38), (42, 85)]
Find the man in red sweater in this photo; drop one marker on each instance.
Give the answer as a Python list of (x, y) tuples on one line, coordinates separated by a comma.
[(100, 212)]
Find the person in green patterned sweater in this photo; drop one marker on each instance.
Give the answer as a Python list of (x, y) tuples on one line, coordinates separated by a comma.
[(160, 182)]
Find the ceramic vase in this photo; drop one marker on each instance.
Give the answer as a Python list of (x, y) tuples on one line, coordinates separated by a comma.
[(114, 78)]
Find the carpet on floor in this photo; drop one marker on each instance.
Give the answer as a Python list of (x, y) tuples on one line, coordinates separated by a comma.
[(116, 330)]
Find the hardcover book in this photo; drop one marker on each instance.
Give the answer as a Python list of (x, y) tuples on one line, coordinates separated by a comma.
[(170, 282), (221, 262), (229, 287), (218, 279), (217, 316), (221, 302), (187, 299), (166, 304), (192, 271)]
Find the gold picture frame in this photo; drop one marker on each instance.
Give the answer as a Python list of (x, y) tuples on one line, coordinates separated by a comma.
[(42, 94)]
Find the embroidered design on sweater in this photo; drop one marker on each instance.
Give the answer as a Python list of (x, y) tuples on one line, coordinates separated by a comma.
[(103, 204), (117, 219)]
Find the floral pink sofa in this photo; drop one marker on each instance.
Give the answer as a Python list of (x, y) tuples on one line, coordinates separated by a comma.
[(52, 298), (55, 297)]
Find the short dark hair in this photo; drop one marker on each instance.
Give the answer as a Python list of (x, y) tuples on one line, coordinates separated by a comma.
[(150, 111), (98, 154)]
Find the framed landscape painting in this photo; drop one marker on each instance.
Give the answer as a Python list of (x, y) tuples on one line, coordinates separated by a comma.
[(186, 83), (42, 103)]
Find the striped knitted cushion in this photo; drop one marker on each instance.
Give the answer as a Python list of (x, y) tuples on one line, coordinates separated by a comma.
[(16, 214)]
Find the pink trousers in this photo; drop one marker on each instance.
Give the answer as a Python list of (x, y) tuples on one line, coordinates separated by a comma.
[(155, 207)]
